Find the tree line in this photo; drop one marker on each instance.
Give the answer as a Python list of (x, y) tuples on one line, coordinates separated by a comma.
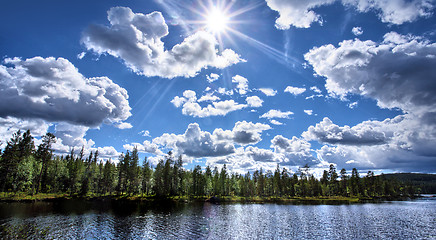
[(27, 168)]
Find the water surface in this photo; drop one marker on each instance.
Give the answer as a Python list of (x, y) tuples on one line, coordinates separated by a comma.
[(105, 220)]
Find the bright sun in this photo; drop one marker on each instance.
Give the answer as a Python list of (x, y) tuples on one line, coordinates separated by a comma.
[(217, 21)]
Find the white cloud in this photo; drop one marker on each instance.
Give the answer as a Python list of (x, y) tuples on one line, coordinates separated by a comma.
[(146, 147), (191, 107), (11, 125), (268, 91), (295, 151), (81, 55), (301, 14), (208, 98), (137, 39), (289, 153), (52, 89), (296, 13), (212, 77), (315, 89), (178, 101), (72, 135), (223, 91), (248, 133), (275, 122), (353, 105), (107, 152), (273, 113), (145, 133), (395, 72), (295, 90), (366, 133), (197, 143), (357, 31), (124, 125), (394, 11), (403, 143), (254, 101), (308, 112), (220, 108), (241, 84), (190, 95)]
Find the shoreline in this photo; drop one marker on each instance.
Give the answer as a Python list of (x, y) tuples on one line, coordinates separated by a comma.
[(54, 197)]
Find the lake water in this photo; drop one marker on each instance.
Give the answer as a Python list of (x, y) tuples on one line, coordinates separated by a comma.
[(104, 220)]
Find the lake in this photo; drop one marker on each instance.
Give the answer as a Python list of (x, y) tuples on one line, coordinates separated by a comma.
[(115, 220)]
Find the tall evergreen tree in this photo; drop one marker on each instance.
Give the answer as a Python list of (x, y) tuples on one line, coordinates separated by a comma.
[(44, 154)]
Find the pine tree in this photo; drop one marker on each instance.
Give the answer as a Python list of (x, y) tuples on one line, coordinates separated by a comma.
[(44, 154)]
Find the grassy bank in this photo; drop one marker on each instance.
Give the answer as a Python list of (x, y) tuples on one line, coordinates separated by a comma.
[(25, 197)]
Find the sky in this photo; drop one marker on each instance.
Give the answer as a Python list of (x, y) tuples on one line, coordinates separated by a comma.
[(245, 83)]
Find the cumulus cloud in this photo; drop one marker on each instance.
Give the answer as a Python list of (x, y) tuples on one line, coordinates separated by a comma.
[(301, 14), (254, 101), (296, 13), (197, 143), (73, 135), (395, 72), (248, 133), (315, 89), (81, 55), (376, 157), (208, 98), (146, 147), (223, 91), (268, 91), (52, 89), (295, 151), (124, 125), (357, 31), (275, 122), (308, 112), (289, 153), (10, 125), (178, 101), (191, 107), (220, 108), (273, 113), (394, 11), (212, 77), (107, 152), (136, 38), (295, 90), (366, 133), (352, 105), (241, 84), (402, 143), (145, 133), (247, 159)]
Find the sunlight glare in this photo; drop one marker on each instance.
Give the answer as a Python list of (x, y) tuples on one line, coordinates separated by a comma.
[(217, 21)]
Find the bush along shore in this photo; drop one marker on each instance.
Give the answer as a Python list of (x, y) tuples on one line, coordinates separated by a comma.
[(30, 173)]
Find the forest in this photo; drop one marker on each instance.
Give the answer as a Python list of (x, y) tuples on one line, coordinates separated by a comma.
[(30, 169)]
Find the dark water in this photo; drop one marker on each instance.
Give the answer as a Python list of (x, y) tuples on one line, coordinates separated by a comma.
[(104, 220)]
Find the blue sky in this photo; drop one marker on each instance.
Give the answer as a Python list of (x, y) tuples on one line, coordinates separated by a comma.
[(264, 82)]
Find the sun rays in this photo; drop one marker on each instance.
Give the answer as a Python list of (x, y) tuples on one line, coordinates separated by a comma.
[(217, 21)]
